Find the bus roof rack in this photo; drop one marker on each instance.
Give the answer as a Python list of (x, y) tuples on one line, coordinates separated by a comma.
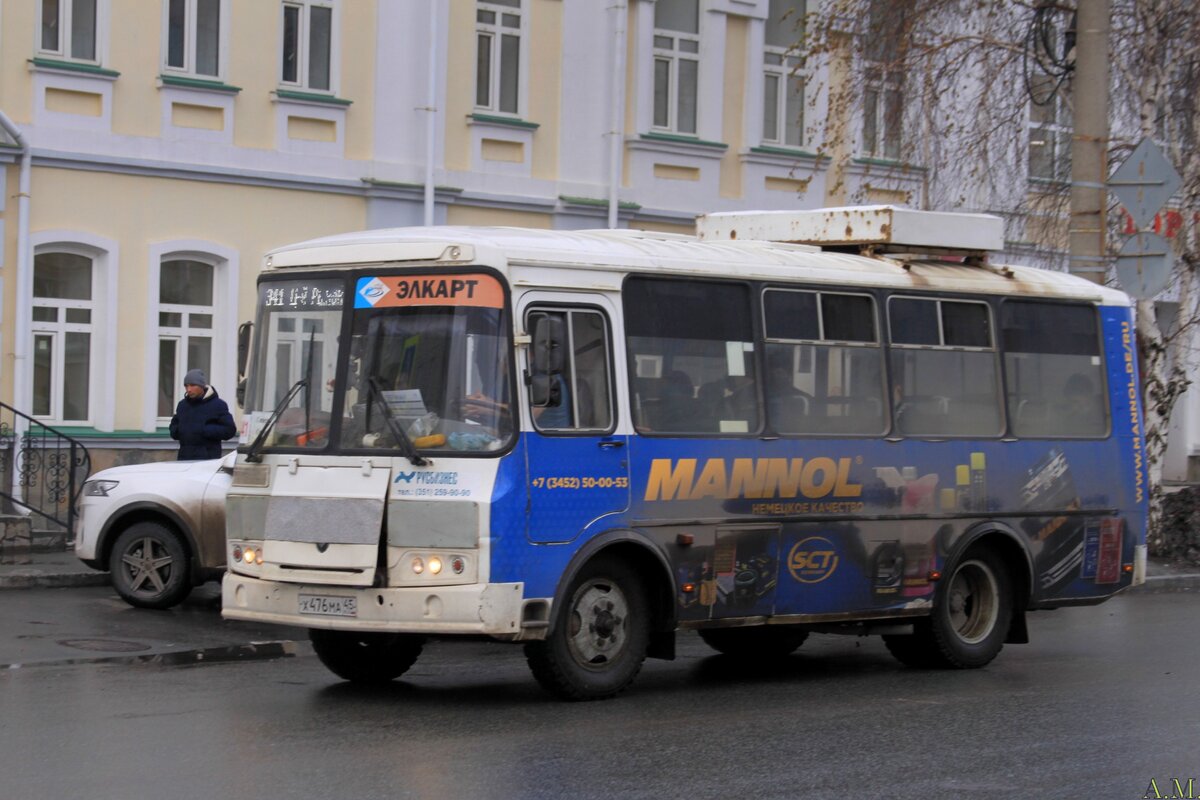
[(872, 230)]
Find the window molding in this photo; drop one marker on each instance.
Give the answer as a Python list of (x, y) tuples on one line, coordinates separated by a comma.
[(105, 256), (225, 261)]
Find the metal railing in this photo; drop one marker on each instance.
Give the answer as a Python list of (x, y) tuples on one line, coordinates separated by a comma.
[(42, 471)]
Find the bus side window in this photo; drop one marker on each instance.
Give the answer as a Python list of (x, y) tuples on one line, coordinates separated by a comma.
[(1055, 374), (824, 363), (945, 373), (692, 357)]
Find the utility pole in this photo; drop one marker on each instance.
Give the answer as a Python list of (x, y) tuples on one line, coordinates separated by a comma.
[(1089, 144)]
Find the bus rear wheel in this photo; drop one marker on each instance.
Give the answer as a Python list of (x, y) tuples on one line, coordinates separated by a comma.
[(369, 658), (971, 614), (761, 641), (599, 638)]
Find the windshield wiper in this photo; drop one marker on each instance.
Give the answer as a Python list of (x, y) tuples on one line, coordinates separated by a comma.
[(253, 453), (406, 445)]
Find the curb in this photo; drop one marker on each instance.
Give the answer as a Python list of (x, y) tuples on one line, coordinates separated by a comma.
[(1169, 583), (254, 651), (40, 579)]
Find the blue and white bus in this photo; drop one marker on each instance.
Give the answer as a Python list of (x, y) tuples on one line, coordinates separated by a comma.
[(838, 421)]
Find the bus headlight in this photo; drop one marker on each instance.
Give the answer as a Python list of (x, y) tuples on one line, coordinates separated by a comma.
[(422, 567), (245, 554)]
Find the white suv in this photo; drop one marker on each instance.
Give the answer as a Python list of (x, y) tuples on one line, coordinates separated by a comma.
[(158, 528)]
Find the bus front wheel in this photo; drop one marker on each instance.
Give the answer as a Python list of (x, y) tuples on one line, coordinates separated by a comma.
[(366, 657), (970, 619), (598, 642)]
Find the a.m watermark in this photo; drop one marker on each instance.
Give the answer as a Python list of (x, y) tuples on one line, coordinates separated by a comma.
[(1172, 789)]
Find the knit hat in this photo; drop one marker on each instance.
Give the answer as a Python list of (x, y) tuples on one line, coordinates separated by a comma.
[(195, 377)]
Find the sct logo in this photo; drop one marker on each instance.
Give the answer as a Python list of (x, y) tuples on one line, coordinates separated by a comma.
[(812, 560), (373, 291)]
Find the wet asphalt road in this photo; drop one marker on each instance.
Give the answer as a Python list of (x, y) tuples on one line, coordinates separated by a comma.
[(1104, 700)]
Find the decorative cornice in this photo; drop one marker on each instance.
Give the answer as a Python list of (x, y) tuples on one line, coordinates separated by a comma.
[(507, 122), (180, 82), (311, 97), (74, 67)]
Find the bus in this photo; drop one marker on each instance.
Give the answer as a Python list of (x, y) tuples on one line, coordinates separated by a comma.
[(836, 421)]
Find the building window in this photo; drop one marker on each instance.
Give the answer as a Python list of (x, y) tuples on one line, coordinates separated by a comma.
[(888, 26), (185, 326), (194, 36), (307, 45), (69, 29), (62, 337), (1049, 132), (676, 64), (783, 84), (498, 55)]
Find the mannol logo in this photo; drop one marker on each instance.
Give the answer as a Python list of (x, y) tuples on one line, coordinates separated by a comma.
[(752, 478), (812, 560)]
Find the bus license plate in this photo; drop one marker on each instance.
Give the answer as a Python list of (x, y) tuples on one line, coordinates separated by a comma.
[(328, 605)]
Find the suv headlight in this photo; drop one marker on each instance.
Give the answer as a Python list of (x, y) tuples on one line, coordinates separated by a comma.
[(98, 488)]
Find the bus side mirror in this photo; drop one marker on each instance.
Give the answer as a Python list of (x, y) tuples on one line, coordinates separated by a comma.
[(549, 335), (245, 330), (243, 346)]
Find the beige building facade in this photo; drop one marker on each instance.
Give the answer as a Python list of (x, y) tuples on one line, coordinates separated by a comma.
[(167, 144)]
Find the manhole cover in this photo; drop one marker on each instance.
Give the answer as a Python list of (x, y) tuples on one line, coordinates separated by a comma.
[(107, 645)]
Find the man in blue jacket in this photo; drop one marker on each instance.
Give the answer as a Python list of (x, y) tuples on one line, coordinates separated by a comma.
[(202, 420)]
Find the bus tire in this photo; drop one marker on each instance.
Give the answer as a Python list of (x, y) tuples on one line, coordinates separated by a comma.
[(760, 641), (971, 614), (598, 642), (150, 567), (368, 658)]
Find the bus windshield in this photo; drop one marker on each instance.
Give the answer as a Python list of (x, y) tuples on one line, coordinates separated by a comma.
[(425, 366), (440, 372), (296, 361)]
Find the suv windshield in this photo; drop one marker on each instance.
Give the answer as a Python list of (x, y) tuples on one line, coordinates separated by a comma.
[(431, 353)]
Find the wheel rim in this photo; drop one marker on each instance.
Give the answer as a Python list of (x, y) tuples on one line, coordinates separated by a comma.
[(598, 629), (147, 565), (973, 602)]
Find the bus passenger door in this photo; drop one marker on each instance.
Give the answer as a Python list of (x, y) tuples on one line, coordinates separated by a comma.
[(577, 465)]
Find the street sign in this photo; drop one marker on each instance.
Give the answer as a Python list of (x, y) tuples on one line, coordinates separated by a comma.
[(1144, 182), (1144, 265)]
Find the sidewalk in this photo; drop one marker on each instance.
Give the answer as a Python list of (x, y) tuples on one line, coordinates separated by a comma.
[(63, 569)]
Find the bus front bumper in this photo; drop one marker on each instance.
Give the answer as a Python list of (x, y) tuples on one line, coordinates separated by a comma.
[(492, 609)]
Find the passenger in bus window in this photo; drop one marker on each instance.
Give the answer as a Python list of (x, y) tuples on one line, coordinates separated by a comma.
[(1081, 413), (557, 414)]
